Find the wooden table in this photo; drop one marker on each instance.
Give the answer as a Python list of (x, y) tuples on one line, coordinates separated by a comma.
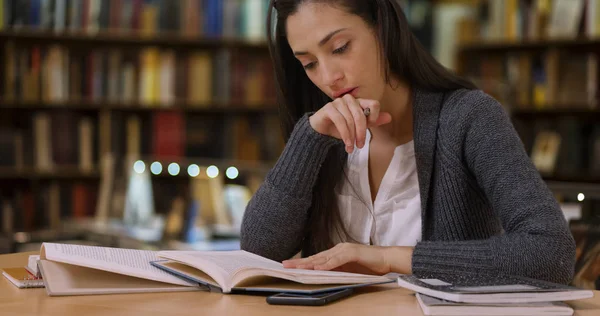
[(384, 300)]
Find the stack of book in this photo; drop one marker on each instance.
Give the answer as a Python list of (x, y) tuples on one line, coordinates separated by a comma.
[(499, 295)]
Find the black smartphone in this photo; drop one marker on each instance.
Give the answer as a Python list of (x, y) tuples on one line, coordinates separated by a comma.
[(308, 299)]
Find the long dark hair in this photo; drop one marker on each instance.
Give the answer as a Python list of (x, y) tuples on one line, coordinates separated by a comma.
[(405, 58)]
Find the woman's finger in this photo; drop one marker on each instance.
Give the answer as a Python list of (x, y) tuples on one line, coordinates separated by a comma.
[(360, 120), (373, 106), (318, 258), (297, 262), (339, 259), (340, 124), (343, 107), (376, 117)]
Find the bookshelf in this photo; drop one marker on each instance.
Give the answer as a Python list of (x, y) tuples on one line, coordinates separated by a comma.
[(539, 59), (35, 36), (238, 108), (89, 88), (504, 46)]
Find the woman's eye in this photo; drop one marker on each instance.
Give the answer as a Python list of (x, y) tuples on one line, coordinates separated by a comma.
[(341, 49), (309, 66)]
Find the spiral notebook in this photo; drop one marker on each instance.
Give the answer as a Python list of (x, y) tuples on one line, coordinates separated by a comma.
[(21, 278)]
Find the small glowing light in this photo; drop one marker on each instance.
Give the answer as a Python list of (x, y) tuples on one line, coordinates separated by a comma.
[(139, 166), (156, 168), (232, 173), (581, 197), (212, 171), (173, 169), (193, 170)]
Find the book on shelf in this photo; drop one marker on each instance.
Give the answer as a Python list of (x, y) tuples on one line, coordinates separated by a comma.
[(44, 206), (151, 77), (435, 306), (86, 270), (189, 18), (495, 289), (525, 20), (545, 151)]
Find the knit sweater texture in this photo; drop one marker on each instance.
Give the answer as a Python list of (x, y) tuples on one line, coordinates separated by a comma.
[(485, 208)]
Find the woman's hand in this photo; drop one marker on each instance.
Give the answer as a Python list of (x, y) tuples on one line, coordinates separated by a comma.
[(343, 118), (357, 258)]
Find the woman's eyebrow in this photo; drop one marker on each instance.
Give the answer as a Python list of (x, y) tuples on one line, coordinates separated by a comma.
[(323, 41)]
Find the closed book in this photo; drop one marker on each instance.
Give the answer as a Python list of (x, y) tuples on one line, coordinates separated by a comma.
[(435, 306), (495, 289)]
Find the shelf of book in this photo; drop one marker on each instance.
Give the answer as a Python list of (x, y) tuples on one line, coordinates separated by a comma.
[(61, 173), (554, 111), (86, 82), (231, 108), (173, 40), (574, 179), (540, 61), (502, 47)]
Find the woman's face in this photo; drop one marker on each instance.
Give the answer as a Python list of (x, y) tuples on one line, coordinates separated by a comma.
[(338, 51)]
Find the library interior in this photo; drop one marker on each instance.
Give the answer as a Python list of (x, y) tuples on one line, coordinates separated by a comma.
[(150, 124)]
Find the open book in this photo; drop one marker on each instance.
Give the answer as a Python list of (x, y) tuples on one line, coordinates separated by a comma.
[(435, 306), (241, 271), (86, 270), (497, 289)]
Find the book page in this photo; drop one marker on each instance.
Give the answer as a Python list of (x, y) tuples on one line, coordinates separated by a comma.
[(123, 261), (228, 264), (220, 265)]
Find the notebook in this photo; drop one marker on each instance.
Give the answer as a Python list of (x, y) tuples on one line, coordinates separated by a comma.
[(435, 306), (495, 289), (89, 270), (21, 278)]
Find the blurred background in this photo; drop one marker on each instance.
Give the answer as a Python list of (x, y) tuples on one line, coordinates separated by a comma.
[(150, 123)]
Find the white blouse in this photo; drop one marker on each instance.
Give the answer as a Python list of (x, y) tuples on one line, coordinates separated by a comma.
[(394, 219)]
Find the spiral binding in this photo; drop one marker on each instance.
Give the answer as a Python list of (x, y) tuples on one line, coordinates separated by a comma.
[(30, 282)]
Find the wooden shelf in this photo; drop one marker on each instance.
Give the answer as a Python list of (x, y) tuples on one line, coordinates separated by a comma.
[(59, 173), (579, 44), (580, 179), (557, 112), (213, 108), (130, 39)]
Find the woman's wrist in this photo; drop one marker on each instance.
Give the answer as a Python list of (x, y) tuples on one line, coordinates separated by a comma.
[(399, 259)]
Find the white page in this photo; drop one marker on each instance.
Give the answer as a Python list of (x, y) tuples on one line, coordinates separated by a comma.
[(231, 262), (123, 261)]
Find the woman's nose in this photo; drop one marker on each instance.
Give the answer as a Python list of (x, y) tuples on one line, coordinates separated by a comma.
[(332, 74)]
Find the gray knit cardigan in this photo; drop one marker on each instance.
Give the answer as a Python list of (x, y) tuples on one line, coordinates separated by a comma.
[(485, 208)]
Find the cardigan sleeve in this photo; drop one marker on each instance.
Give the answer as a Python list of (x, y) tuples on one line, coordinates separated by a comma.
[(536, 241), (275, 218)]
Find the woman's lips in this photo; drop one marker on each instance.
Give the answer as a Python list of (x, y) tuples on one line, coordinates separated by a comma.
[(342, 93)]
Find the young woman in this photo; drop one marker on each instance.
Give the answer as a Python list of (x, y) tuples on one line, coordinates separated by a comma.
[(393, 163)]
